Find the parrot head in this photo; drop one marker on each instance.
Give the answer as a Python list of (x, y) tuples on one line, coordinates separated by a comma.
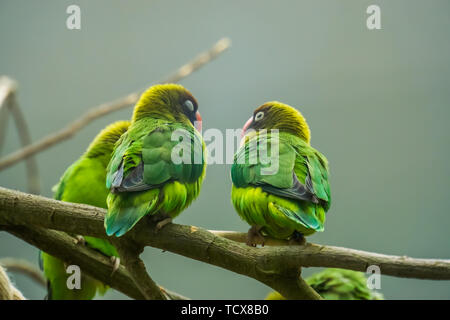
[(277, 115), (170, 102)]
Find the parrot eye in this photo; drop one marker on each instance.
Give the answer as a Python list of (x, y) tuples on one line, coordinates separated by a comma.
[(189, 105), (259, 116)]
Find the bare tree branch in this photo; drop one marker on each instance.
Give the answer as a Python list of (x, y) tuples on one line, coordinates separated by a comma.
[(129, 254), (24, 267), (8, 102), (96, 112), (7, 290), (277, 266), (63, 246), (25, 138), (173, 295), (95, 264), (7, 87)]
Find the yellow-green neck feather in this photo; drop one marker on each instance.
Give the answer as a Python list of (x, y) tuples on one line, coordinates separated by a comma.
[(286, 119), (103, 143), (161, 102)]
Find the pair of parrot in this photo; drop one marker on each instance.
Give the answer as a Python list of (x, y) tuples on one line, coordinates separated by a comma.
[(155, 164)]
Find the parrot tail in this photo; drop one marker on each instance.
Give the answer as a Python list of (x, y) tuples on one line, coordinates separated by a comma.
[(308, 219), (125, 210)]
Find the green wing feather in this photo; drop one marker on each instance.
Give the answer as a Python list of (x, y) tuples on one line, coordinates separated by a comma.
[(142, 166), (157, 151), (248, 167)]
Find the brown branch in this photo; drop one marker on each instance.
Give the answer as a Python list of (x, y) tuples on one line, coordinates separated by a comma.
[(8, 102), (308, 292), (277, 267), (24, 267), (3, 125), (242, 237), (173, 295), (7, 87), (336, 257), (7, 290), (25, 138), (96, 112), (98, 266), (129, 254), (63, 246)]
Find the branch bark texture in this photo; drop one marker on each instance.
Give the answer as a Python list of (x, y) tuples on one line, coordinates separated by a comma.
[(276, 266)]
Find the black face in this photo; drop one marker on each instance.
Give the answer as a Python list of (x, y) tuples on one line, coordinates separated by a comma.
[(260, 116), (189, 107)]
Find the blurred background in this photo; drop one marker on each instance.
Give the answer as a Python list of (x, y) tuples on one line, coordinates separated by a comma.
[(377, 103)]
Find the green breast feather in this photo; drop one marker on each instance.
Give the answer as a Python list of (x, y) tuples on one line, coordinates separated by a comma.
[(157, 167), (294, 184)]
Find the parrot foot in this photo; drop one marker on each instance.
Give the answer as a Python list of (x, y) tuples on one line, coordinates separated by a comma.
[(115, 262), (254, 236), (161, 224), (79, 240), (297, 239)]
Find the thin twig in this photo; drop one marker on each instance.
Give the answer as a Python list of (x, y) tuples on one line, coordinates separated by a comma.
[(3, 126), (96, 112), (8, 102), (7, 87), (24, 267), (7, 290), (25, 138)]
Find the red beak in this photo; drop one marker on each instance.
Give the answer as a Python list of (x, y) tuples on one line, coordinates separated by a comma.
[(246, 125), (198, 122)]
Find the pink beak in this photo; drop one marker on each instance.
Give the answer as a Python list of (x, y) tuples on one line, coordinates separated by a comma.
[(198, 122), (246, 125)]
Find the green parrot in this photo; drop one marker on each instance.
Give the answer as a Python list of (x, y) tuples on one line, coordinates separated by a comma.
[(84, 182), (280, 183), (158, 165), (338, 284)]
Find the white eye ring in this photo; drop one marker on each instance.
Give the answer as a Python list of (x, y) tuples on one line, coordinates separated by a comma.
[(259, 116), (189, 105)]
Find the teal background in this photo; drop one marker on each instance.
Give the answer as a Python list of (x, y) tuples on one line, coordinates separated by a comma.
[(377, 103)]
